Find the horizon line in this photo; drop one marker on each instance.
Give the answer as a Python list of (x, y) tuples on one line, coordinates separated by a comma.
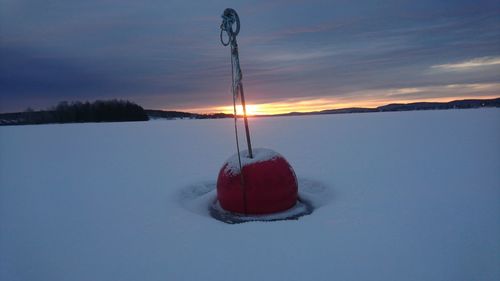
[(254, 111)]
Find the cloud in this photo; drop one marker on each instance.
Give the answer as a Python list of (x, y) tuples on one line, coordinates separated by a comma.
[(26, 73), (168, 55), (430, 92), (469, 65), (290, 56)]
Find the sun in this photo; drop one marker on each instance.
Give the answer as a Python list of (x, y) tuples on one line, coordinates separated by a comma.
[(252, 109)]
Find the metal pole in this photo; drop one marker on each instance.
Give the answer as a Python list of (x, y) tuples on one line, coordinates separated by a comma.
[(230, 18), (247, 130)]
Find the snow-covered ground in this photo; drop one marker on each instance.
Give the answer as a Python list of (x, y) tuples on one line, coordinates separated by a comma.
[(399, 196)]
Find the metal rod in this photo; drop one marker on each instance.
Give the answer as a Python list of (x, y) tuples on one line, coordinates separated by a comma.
[(242, 178), (247, 130), (230, 18)]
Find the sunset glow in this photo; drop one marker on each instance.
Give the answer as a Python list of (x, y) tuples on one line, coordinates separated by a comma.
[(319, 104), (252, 109), (296, 56)]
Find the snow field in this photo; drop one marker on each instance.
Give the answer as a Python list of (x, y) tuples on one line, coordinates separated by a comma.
[(399, 196)]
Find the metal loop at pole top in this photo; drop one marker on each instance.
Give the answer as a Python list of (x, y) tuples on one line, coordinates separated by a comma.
[(229, 18)]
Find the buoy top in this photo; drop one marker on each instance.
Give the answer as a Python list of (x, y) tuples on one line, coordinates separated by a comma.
[(259, 155)]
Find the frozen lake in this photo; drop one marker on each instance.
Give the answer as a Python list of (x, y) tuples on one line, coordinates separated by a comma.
[(399, 196)]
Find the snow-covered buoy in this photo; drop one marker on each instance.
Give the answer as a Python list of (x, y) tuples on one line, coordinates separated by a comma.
[(266, 183), (255, 184)]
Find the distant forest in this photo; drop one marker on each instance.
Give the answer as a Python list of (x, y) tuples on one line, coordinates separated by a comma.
[(78, 112), (162, 114)]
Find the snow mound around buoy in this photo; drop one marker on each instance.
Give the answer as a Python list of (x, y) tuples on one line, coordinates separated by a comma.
[(201, 199), (301, 208)]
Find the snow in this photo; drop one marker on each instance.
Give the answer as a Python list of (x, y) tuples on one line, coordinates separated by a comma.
[(259, 155), (397, 196)]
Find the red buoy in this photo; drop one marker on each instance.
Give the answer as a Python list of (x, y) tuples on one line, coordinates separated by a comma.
[(268, 185)]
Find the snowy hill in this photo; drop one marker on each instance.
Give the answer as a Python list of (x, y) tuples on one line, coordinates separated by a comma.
[(398, 196)]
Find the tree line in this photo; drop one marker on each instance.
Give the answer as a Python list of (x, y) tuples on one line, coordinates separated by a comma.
[(79, 112)]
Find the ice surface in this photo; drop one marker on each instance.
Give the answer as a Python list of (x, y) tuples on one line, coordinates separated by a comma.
[(398, 196)]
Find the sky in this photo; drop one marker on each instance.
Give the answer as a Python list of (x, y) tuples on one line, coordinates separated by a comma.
[(295, 55)]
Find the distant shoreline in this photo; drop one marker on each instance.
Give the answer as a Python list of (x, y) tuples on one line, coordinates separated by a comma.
[(17, 118), (456, 104)]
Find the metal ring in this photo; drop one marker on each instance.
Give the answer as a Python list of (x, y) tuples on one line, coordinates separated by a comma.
[(229, 18), (231, 13), (222, 40)]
